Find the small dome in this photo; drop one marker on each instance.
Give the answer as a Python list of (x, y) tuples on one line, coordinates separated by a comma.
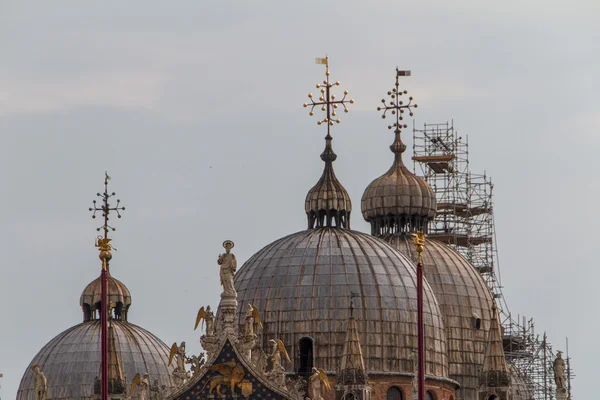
[(71, 361), (303, 283), (398, 200), (118, 297), (465, 302), (328, 202)]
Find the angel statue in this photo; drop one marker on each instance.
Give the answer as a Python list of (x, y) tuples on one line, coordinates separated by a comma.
[(228, 265), (144, 384), (40, 383), (252, 315), (208, 316), (276, 350), (178, 352), (316, 383)]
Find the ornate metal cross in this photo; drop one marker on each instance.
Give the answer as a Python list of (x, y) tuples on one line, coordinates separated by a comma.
[(396, 106), (327, 100), (106, 208)]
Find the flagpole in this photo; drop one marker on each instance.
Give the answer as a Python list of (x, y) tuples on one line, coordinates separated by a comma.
[(419, 239)]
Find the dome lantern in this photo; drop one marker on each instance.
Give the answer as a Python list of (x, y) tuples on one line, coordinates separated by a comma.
[(398, 201), (328, 204)]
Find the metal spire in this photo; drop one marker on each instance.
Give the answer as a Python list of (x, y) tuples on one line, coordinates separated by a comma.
[(104, 246), (327, 100)]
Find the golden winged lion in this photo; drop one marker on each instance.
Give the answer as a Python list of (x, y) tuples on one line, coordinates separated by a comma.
[(232, 375)]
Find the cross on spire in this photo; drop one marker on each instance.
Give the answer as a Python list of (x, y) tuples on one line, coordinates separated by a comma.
[(105, 207), (395, 106), (327, 100)]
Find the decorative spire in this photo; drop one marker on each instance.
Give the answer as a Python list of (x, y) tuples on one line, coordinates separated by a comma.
[(495, 372), (398, 201), (397, 108), (328, 203), (352, 376), (103, 242)]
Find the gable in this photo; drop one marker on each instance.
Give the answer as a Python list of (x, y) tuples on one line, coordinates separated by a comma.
[(226, 372)]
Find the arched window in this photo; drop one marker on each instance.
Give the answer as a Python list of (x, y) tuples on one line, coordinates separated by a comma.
[(394, 393), (429, 395), (306, 356), (493, 397)]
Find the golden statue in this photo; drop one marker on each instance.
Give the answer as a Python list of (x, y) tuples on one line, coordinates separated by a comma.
[(232, 375)]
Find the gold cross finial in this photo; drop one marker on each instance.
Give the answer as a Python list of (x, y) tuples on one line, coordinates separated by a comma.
[(103, 241), (327, 100), (395, 106)]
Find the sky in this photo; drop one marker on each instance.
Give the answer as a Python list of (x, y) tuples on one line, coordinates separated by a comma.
[(195, 110)]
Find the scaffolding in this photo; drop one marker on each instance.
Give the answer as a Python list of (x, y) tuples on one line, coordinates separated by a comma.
[(464, 218), (465, 221)]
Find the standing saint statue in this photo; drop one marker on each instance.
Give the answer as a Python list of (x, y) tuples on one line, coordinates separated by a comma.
[(40, 383), (228, 265), (210, 322), (559, 371)]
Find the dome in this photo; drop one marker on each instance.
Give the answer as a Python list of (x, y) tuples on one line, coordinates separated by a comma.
[(71, 361), (465, 302), (302, 284), (520, 389), (398, 199), (118, 296)]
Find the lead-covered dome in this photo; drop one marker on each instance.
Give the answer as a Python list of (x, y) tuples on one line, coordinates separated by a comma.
[(71, 361), (465, 302), (398, 199), (302, 284)]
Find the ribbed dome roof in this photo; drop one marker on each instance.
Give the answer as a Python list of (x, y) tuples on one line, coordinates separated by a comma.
[(398, 200), (464, 298), (117, 292), (328, 202), (302, 285), (71, 361)]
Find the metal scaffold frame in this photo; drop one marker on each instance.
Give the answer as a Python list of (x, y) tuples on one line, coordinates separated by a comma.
[(465, 221)]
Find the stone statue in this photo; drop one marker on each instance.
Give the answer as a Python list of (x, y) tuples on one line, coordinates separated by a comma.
[(144, 386), (252, 317), (259, 360), (559, 371), (278, 348), (40, 383), (314, 385), (179, 373), (210, 322), (228, 265), (277, 377)]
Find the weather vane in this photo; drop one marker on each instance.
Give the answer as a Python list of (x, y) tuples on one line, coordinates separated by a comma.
[(395, 105), (327, 100), (103, 242)]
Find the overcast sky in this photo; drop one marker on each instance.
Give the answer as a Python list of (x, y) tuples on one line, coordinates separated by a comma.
[(195, 109)]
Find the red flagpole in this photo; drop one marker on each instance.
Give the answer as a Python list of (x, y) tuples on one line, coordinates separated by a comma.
[(104, 332), (421, 332)]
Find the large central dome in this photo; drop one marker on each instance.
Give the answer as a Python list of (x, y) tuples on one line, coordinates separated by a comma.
[(302, 284)]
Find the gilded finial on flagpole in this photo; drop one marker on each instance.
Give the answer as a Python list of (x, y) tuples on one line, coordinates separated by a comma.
[(419, 240)]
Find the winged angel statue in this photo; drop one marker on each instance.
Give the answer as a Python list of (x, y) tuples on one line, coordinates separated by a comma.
[(208, 316), (143, 381), (316, 383)]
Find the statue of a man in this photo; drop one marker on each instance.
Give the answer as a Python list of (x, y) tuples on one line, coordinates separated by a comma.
[(210, 321), (275, 355), (143, 387), (228, 265), (314, 385), (559, 371), (40, 383)]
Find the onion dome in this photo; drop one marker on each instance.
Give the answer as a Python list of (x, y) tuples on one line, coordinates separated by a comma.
[(465, 302), (328, 203), (398, 201), (71, 361), (303, 283), (119, 299)]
